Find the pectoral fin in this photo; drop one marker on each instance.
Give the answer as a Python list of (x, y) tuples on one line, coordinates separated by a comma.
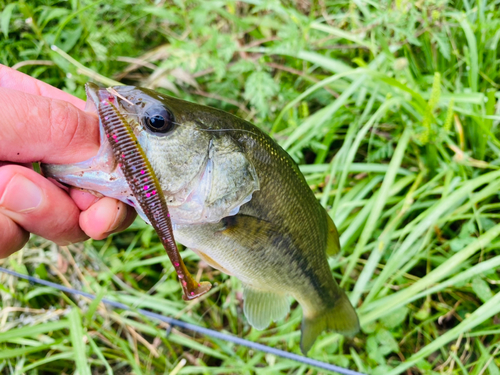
[(251, 231), (261, 308)]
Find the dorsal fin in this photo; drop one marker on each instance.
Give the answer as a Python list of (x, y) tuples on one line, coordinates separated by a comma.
[(332, 242)]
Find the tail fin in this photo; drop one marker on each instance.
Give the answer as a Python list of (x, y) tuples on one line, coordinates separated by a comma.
[(341, 318)]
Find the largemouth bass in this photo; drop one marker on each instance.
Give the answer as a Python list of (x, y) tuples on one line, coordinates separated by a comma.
[(234, 197)]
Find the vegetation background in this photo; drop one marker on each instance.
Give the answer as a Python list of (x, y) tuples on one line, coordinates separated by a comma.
[(391, 109)]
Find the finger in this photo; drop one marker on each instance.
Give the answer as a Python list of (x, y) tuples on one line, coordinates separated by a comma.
[(105, 217), (26, 165), (12, 236), (99, 222), (34, 128), (12, 79), (82, 198), (38, 206), (129, 219)]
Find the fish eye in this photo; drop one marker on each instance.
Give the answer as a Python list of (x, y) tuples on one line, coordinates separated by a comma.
[(159, 120)]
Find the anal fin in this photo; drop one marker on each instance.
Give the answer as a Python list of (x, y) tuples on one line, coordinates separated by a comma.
[(261, 308)]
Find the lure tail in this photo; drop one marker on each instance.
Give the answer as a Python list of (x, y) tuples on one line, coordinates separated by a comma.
[(341, 318)]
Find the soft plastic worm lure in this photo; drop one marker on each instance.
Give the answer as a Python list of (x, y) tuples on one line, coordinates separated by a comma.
[(146, 189)]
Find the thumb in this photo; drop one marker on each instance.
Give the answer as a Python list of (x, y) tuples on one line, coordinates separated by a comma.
[(35, 128)]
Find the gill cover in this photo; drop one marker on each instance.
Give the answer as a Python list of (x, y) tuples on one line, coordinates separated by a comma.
[(224, 184)]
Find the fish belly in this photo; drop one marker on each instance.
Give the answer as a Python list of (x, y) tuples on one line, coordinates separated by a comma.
[(256, 262)]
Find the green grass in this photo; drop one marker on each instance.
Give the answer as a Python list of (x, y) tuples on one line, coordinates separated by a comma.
[(391, 109)]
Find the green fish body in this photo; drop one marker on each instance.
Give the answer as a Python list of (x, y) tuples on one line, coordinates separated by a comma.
[(238, 200)]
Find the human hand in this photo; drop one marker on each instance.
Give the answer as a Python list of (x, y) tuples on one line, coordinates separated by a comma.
[(40, 123)]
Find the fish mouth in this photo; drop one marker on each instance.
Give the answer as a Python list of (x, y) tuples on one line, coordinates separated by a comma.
[(97, 94), (92, 90), (100, 174)]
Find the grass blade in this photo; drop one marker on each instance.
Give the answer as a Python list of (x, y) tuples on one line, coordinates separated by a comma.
[(77, 340), (33, 331), (5, 18)]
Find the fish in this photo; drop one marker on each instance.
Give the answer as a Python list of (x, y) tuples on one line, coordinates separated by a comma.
[(234, 197)]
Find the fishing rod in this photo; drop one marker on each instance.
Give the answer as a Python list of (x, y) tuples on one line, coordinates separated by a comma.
[(193, 327)]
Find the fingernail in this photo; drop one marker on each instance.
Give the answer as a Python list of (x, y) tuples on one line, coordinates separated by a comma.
[(21, 195)]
